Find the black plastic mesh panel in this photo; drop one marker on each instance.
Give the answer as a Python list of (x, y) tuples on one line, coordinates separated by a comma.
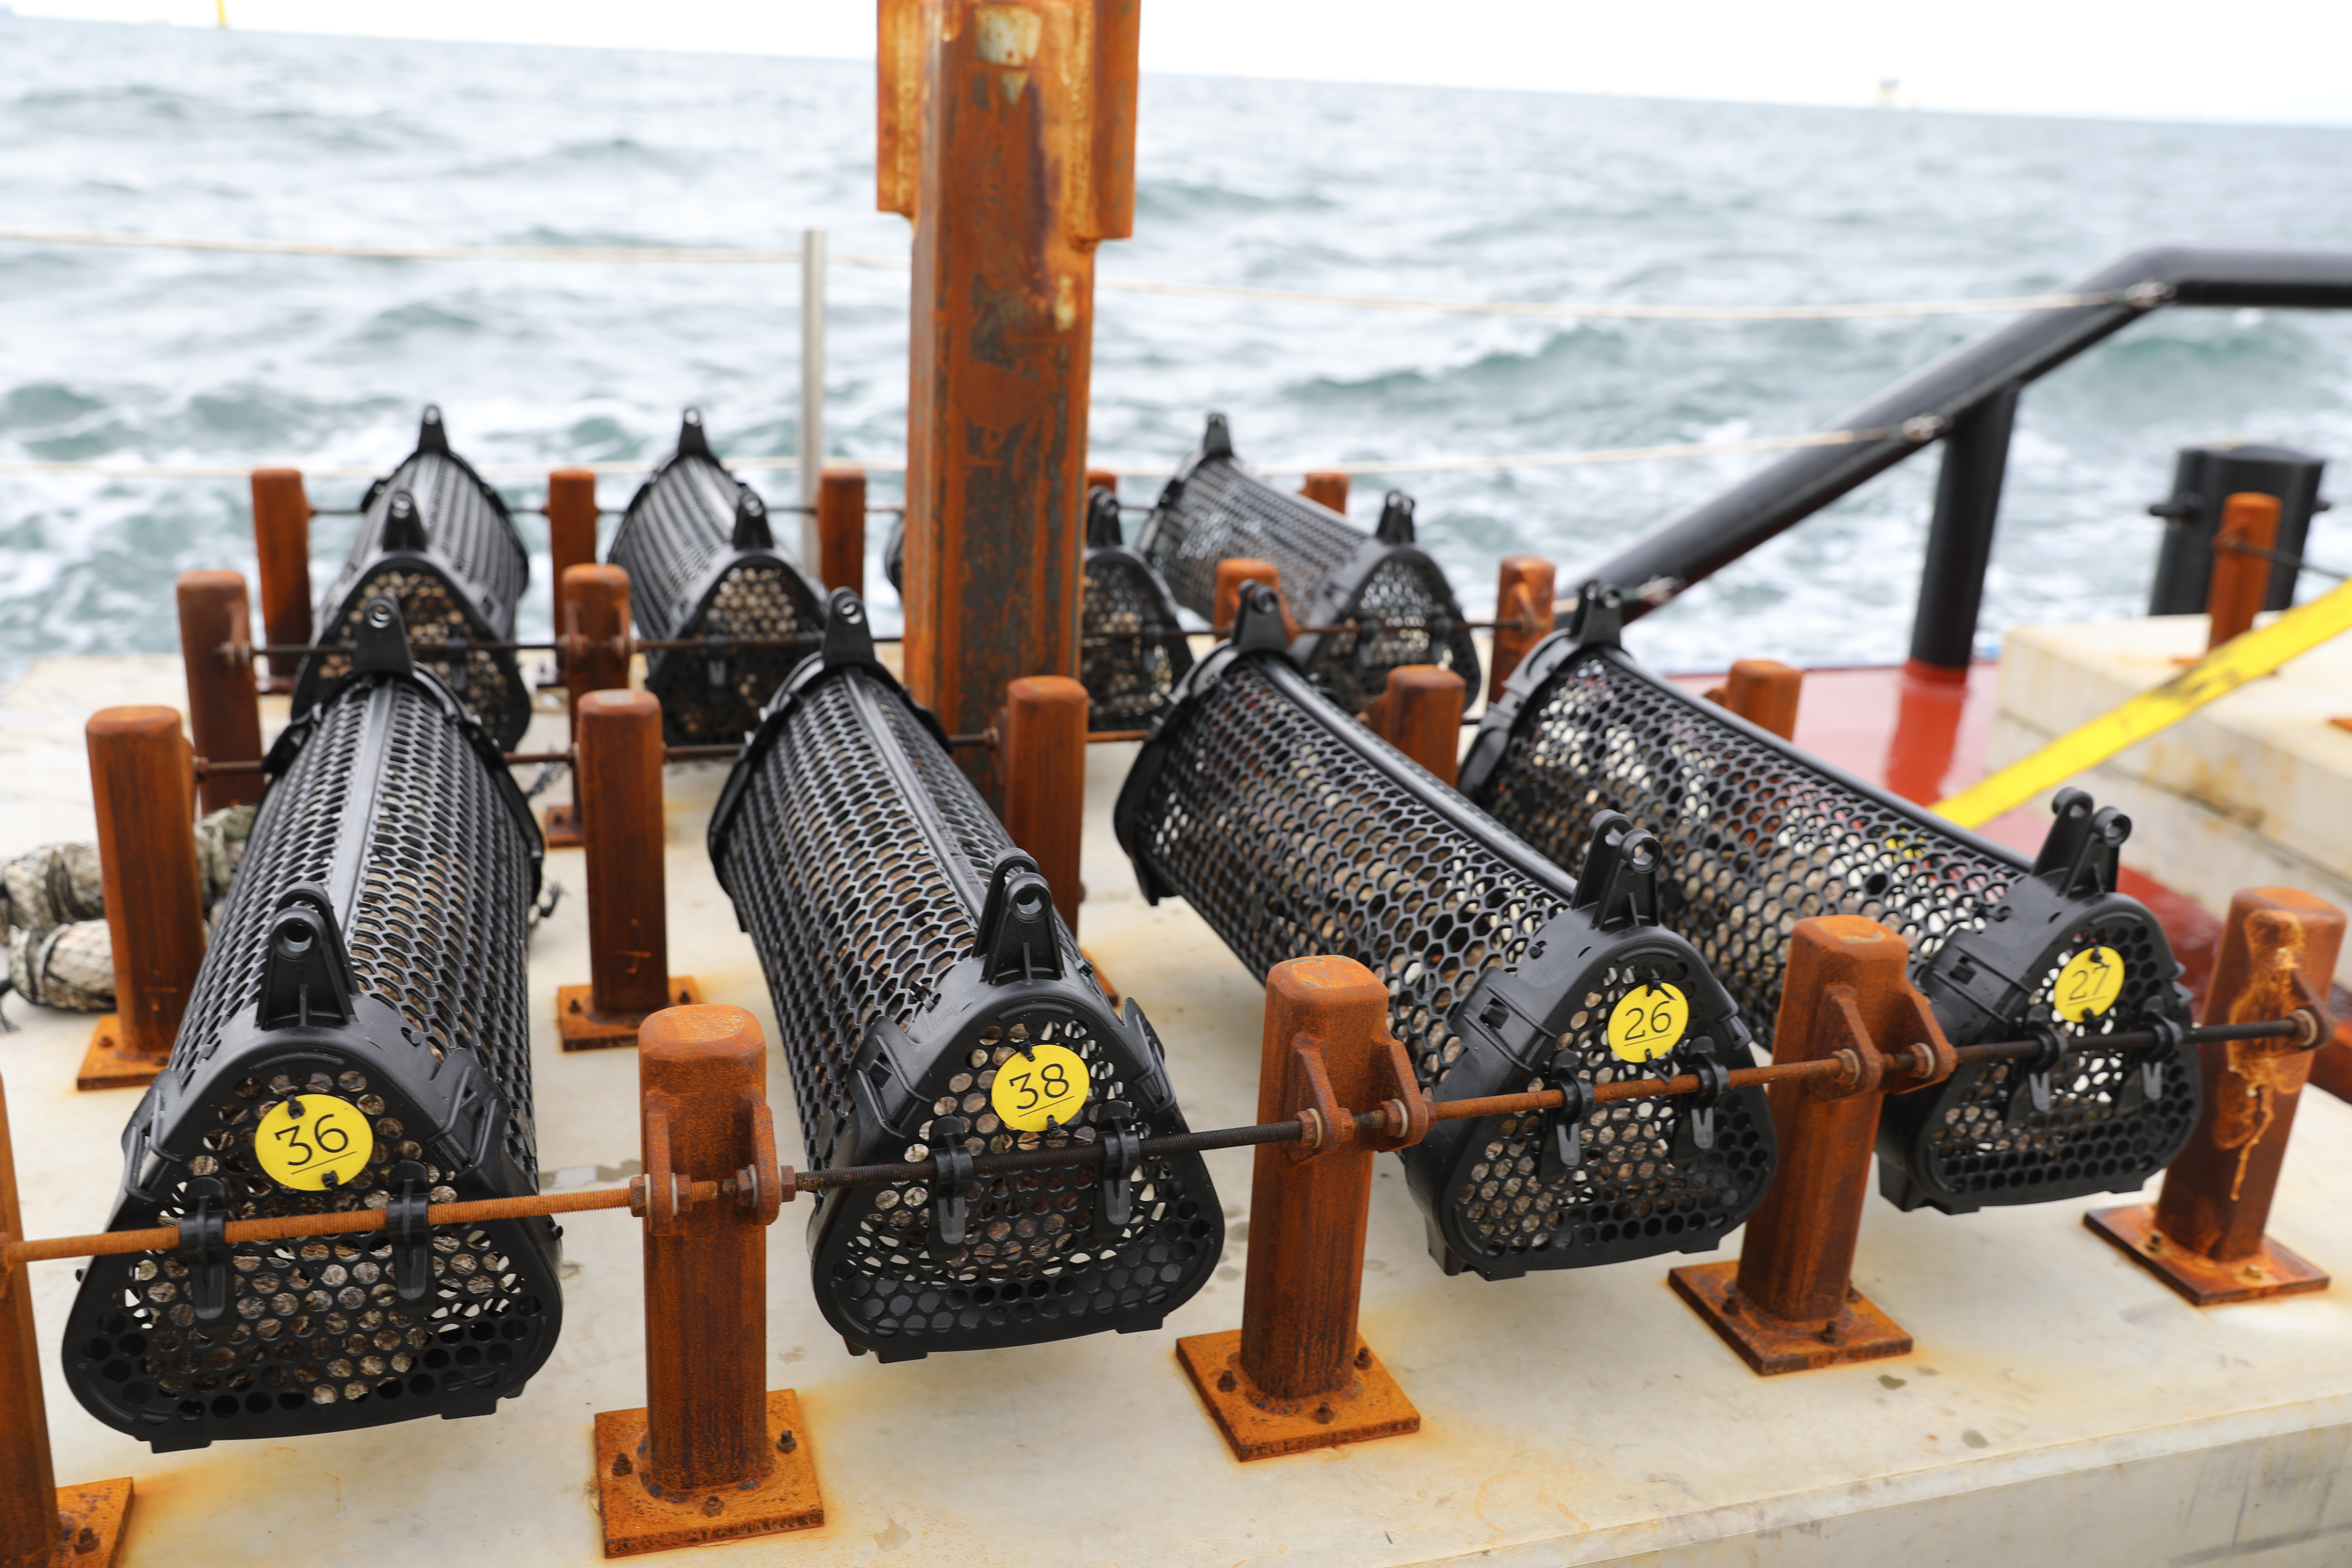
[(462, 586), (1760, 836), (1133, 653), (385, 801), (1295, 832), (1331, 573), (688, 579), (858, 856)]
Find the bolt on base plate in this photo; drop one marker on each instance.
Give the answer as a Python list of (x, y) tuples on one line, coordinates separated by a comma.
[(1260, 1426), (582, 1029), (560, 828), (1772, 1345), (91, 1518), (110, 1064), (2204, 1281), (637, 1521)]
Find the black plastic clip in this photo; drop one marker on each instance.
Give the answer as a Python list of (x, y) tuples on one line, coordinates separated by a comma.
[(2145, 1087), (1103, 526), (1561, 1145), (403, 525), (1395, 526), (1017, 939), (1695, 1130), (2033, 1073), (405, 1226), (1122, 1150), (203, 1246), (717, 643), (751, 530), (1618, 882), (947, 1194)]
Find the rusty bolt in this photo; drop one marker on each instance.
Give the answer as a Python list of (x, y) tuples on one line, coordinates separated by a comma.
[(1831, 1334), (621, 1466), (1849, 1071), (1731, 1303), (1364, 1359), (1226, 1381), (86, 1541), (787, 1443), (711, 1507), (1311, 1129), (1325, 1416)]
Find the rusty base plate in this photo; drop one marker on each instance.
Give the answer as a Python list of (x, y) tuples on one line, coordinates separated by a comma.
[(560, 827), (583, 1029), (90, 1523), (1260, 1426), (110, 1064), (2273, 1272), (637, 1521), (1772, 1345)]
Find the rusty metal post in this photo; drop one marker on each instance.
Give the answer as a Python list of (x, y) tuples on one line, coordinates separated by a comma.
[(1419, 713), (1102, 479), (2203, 1235), (712, 1455), (1045, 765), (223, 704), (592, 637), (1764, 691), (1232, 573), (571, 526), (1524, 596), (1327, 486), (1788, 1303), (1297, 1375), (2240, 579), (281, 539), (142, 781), (841, 530), (1007, 134), (617, 774), (41, 1523)]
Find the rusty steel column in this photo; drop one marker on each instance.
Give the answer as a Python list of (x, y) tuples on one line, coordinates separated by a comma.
[(1327, 487), (1007, 134), (2240, 579), (571, 527), (592, 639), (1044, 766), (841, 530), (281, 539), (1788, 1303), (223, 704), (1420, 714), (1297, 1375), (1232, 573), (1764, 691), (2203, 1235), (143, 779), (1103, 479), (617, 775), (1524, 595), (712, 1455)]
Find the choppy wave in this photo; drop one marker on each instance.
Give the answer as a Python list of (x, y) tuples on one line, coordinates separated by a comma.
[(169, 357)]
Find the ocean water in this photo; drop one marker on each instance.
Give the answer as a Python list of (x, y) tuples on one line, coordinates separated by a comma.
[(167, 357)]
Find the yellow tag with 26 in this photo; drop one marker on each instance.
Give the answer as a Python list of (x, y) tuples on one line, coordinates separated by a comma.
[(1649, 1022), (1047, 1082), (329, 1138), (2089, 984)]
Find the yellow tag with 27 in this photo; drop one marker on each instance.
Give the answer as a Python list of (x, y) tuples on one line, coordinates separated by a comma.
[(329, 1138), (1049, 1082), (1649, 1022), (2089, 984)]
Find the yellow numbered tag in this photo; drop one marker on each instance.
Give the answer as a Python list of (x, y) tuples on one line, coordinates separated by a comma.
[(331, 1138), (2089, 984), (1648, 1023), (1049, 1083)]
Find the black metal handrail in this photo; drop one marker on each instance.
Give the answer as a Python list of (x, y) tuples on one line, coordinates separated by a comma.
[(1968, 401)]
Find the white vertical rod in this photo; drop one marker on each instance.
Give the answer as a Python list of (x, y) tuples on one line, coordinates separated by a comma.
[(811, 388)]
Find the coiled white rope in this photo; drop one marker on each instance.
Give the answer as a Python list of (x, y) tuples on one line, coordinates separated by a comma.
[(1565, 310), (1142, 471)]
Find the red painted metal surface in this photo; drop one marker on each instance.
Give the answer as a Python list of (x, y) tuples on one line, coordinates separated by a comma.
[(281, 539)]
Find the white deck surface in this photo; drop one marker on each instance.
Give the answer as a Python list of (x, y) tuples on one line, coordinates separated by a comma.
[(2063, 1409)]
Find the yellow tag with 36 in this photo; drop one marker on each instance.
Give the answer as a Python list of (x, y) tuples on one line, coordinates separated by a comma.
[(1648, 1022), (329, 1138), (1046, 1082), (2089, 984)]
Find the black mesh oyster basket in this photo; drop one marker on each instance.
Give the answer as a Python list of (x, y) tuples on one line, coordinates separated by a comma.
[(356, 1040), (1760, 836), (436, 537), (1395, 600), (1293, 830), (1132, 652), (702, 563), (932, 1004)]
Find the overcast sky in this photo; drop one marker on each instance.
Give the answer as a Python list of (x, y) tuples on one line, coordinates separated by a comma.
[(2276, 60)]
